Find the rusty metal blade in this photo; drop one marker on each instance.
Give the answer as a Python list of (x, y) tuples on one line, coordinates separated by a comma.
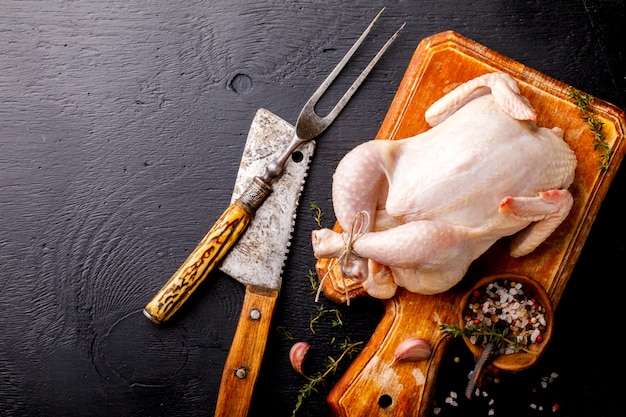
[(259, 256)]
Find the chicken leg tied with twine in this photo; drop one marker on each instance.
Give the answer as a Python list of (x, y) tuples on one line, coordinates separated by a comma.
[(360, 225)]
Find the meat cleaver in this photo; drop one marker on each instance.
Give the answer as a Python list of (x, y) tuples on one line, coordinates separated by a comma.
[(258, 258)]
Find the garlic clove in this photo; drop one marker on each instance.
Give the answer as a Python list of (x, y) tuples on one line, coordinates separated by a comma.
[(297, 355), (412, 350)]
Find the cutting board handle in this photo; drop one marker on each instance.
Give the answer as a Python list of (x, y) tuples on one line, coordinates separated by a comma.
[(374, 385)]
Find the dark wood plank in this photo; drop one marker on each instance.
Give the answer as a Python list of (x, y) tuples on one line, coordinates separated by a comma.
[(121, 129)]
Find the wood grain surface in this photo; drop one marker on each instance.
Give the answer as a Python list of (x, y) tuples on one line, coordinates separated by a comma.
[(121, 129)]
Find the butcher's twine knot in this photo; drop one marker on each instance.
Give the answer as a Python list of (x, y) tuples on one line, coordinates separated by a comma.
[(360, 225)]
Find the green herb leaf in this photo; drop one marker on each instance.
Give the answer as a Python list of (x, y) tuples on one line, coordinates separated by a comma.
[(583, 101), (318, 213), (348, 349)]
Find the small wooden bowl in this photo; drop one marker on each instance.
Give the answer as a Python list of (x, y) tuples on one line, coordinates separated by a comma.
[(522, 360)]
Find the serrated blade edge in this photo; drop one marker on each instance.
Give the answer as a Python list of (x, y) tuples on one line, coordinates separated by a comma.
[(260, 255)]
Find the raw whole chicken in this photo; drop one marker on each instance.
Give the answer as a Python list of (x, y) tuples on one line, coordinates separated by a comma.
[(429, 205)]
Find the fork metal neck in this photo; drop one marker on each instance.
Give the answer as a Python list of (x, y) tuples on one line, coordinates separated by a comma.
[(275, 169)]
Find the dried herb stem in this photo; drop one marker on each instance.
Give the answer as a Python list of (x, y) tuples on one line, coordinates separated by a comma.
[(348, 350), (321, 312), (484, 335), (583, 102), (315, 283), (318, 214), (284, 333)]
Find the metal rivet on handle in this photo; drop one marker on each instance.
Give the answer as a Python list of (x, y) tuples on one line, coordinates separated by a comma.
[(241, 372), (255, 314)]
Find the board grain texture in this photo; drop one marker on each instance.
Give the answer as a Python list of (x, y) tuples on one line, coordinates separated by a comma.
[(122, 125)]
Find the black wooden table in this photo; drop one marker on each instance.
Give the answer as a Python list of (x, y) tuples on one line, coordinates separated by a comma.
[(121, 128)]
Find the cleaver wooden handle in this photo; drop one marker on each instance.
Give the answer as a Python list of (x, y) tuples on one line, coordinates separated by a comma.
[(246, 353), (209, 252)]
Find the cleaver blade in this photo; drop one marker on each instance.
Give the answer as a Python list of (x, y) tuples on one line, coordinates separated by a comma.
[(258, 257)]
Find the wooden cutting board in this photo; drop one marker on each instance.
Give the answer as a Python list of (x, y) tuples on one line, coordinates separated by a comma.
[(371, 386)]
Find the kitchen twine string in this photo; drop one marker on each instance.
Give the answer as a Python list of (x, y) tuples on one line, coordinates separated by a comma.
[(360, 224)]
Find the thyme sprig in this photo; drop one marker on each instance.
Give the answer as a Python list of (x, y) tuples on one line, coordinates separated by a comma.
[(484, 335), (321, 312), (284, 333), (583, 101), (348, 350), (318, 214), (315, 283)]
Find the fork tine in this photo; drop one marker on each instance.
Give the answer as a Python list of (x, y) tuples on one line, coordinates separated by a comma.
[(357, 83), (309, 123)]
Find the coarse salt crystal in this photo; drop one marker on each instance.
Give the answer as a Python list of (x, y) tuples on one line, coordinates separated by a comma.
[(451, 401), (507, 305), (534, 334)]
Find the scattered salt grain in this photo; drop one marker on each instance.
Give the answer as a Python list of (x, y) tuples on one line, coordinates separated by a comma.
[(451, 401)]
